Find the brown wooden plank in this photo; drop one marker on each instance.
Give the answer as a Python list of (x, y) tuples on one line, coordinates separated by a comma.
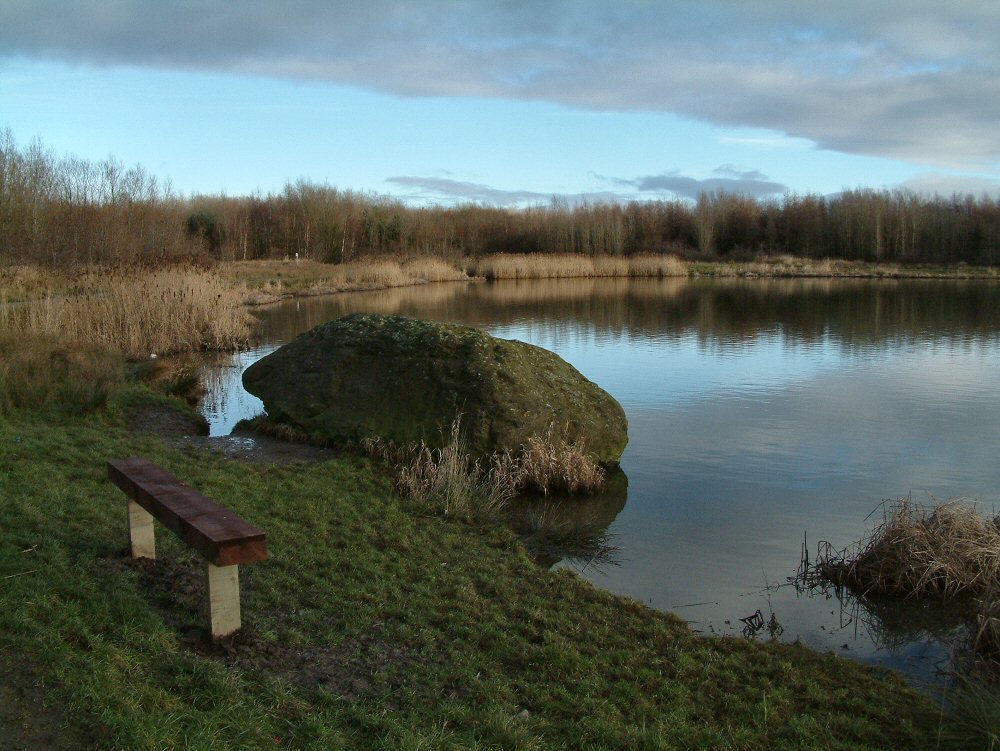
[(217, 533)]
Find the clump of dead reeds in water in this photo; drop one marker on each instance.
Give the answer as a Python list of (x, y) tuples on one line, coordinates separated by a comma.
[(942, 551)]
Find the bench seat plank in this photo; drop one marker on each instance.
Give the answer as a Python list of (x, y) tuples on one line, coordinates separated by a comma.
[(221, 536)]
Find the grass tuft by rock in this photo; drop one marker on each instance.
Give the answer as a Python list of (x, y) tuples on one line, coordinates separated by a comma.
[(451, 479)]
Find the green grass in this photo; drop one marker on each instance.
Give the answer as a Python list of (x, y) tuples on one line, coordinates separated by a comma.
[(374, 625)]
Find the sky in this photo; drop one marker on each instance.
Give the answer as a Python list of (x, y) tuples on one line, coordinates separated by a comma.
[(512, 102)]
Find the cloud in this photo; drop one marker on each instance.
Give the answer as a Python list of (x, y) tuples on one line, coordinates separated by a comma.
[(434, 189), (934, 183), (423, 188), (751, 183), (918, 81), (731, 179), (731, 170)]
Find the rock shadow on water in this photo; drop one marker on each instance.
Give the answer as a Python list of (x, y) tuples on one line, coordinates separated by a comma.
[(573, 529)]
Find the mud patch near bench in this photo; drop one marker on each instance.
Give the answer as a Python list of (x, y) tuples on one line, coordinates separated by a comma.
[(30, 720), (163, 420), (359, 666)]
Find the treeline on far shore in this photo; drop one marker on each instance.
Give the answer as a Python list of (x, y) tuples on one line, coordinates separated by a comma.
[(64, 211)]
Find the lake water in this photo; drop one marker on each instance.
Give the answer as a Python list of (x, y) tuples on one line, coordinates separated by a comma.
[(760, 411)]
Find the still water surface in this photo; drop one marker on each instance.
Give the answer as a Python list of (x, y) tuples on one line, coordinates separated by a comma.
[(759, 411)]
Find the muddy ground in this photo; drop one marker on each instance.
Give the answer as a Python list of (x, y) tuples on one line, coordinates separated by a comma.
[(30, 722)]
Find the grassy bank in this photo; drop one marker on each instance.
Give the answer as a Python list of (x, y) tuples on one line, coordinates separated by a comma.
[(270, 281), (375, 624), (372, 625), (261, 282)]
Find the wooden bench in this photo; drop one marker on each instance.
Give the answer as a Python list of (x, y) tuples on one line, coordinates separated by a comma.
[(220, 536)]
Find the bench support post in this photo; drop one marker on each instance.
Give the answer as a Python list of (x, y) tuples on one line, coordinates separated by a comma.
[(224, 599), (141, 532)]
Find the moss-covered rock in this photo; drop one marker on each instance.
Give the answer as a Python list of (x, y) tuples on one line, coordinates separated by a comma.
[(406, 381)]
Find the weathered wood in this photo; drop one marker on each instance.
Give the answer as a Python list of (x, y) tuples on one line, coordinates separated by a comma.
[(140, 530), (223, 600), (221, 536)]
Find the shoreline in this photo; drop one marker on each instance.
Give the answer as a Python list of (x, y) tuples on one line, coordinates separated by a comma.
[(312, 278), (432, 617), (413, 620)]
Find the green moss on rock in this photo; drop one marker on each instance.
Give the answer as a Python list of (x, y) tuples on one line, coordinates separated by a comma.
[(406, 380)]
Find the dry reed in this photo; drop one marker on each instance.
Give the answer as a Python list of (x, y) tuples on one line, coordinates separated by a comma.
[(540, 266), (431, 269), (944, 551), (449, 479), (37, 373), (460, 485), (274, 281), (26, 282), (551, 463), (376, 273), (386, 273), (140, 313)]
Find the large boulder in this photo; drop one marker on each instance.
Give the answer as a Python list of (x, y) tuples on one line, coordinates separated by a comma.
[(405, 381)]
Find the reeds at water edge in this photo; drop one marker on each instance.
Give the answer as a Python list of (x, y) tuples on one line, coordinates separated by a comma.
[(139, 313), (462, 485), (565, 265)]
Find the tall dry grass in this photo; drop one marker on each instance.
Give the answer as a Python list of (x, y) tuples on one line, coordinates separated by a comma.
[(24, 282), (139, 313), (373, 273), (448, 478), (458, 484), (542, 266), (385, 273), (431, 269), (551, 463), (275, 280), (38, 373)]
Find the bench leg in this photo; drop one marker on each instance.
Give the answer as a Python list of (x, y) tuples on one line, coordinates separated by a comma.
[(140, 530), (224, 600)]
